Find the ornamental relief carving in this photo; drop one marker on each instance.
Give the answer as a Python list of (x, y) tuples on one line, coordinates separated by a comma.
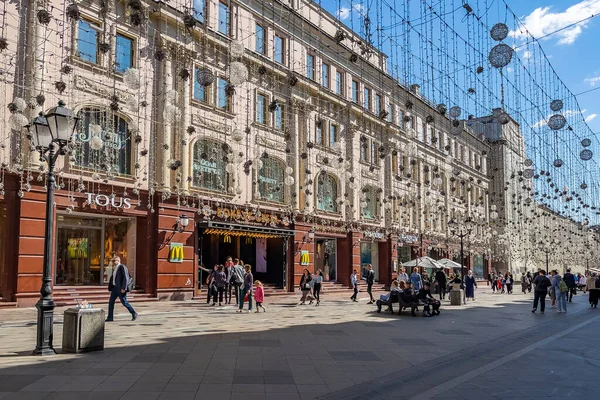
[(93, 87), (203, 122), (273, 144)]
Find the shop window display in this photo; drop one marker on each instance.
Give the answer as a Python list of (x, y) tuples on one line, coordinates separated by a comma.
[(85, 246)]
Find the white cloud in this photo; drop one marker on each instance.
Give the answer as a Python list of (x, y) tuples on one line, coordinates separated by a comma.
[(592, 81), (359, 8), (590, 117), (343, 13), (542, 21)]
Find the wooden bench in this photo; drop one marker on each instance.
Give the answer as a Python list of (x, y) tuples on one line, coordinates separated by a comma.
[(394, 298)]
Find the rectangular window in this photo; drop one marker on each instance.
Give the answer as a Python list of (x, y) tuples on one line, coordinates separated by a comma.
[(200, 93), (355, 91), (224, 19), (279, 117), (373, 152), (339, 83), (367, 99), (124, 53), (278, 49), (200, 10), (424, 132), (377, 104), (222, 99), (261, 108), (390, 116), (401, 118), (310, 66), (260, 39), (325, 75), (319, 133), (364, 151), (394, 164), (87, 42), (333, 131)]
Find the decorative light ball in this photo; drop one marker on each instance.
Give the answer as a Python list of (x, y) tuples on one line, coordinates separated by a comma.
[(437, 181), (17, 121), (205, 76), (230, 168), (237, 48), (238, 190), (586, 142), (337, 147), (455, 111), (557, 121), (237, 135), (95, 129), (363, 204), (352, 185), (238, 73), (131, 77), (500, 55), (171, 113), (289, 180), (20, 104), (586, 154), (258, 163), (238, 158), (558, 163), (96, 143), (499, 32), (289, 170)]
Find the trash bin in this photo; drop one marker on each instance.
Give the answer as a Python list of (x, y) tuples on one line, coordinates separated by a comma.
[(83, 330), (456, 295)]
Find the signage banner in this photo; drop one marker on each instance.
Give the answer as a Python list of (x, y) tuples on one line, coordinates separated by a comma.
[(373, 235), (248, 216), (304, 257), (176, 253)]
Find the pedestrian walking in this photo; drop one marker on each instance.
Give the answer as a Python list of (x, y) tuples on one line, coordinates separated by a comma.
[(509, 283), (118, 286), (470, 285), (494, 282), (583, 283), (210, 288), (552, 292), (561, 289), (524, 284), (219, 282), (228, 284), (441, 280), (370, 278), (542, 283), (570, 281), (354, 283), (247, 288), (259, 296), (416, 280), (306, 285), (529, 282), (317, 286)]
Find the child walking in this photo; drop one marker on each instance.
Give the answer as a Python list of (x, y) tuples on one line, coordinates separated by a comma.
[(259, 295)]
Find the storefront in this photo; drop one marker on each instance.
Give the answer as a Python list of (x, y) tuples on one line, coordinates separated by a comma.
[(326, 258), (85, 245), (265, 248), (478, 266), (375, 250)]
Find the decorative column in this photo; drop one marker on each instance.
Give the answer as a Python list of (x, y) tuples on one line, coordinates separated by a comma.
[(167, 141)]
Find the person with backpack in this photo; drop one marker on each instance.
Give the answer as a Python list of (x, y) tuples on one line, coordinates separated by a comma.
[(119, 284), (236, 280), (219, 282), (542, 283), (560, 289)]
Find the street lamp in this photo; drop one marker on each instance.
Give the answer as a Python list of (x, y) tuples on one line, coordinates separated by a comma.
[(55, 129), (461, 230)]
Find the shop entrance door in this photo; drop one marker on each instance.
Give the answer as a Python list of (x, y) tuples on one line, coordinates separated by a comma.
[(369, 254), (326, 258), (79, 254)]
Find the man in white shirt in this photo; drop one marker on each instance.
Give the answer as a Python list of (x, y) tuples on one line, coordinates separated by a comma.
[(403, 276), (354, 283)]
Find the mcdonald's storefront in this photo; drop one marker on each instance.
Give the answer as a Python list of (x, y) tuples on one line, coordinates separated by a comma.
[(262, 240)]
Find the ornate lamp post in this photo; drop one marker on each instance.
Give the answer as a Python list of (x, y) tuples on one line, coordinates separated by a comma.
[(50, 135), (461, 230)]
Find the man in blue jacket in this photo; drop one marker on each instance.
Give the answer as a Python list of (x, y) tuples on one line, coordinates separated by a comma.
[(117, 286)]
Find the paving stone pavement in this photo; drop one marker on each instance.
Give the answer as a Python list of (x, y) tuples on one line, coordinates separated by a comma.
[(493, 348)]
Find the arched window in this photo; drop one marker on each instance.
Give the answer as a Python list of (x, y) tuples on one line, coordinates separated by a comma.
[(270, 180), (370, 203), (327, 193), (103, 142), (208, 168)]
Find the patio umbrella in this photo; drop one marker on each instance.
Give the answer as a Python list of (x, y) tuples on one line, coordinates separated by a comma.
[(423, 262), (447, 263)]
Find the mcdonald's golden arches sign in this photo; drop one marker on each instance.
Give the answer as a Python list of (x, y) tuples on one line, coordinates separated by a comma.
[(176, 252), (304, 257)]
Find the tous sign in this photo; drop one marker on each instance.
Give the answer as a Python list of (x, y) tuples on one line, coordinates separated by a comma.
[(103, 200)]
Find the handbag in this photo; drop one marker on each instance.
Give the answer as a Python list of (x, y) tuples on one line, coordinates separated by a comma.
[(246, 297)]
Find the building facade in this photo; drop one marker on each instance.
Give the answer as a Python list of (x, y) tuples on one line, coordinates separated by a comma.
[(276, 130)]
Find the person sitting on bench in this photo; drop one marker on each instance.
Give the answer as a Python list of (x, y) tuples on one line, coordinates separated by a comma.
[(409, 299), (427, 299), (386, 297)]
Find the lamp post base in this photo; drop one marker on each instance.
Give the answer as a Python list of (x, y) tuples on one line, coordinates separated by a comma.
[(45, 327)]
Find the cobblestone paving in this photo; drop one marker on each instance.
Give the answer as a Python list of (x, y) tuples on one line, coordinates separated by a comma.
[(493, 348)]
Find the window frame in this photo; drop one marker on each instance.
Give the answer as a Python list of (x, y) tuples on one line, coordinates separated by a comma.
[(228, 103), (355, 92), (276, 36), (133, 51), (367, 93), (339, 82), (91, 23), (378, 101), (264, 190), (333, 182), (265, 108), (202, 14), (310, 70), (325, 75), (264, 39), (319, 138), (218, 144), (335, 132), (222, 3), (279, 110), (206, 89)]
